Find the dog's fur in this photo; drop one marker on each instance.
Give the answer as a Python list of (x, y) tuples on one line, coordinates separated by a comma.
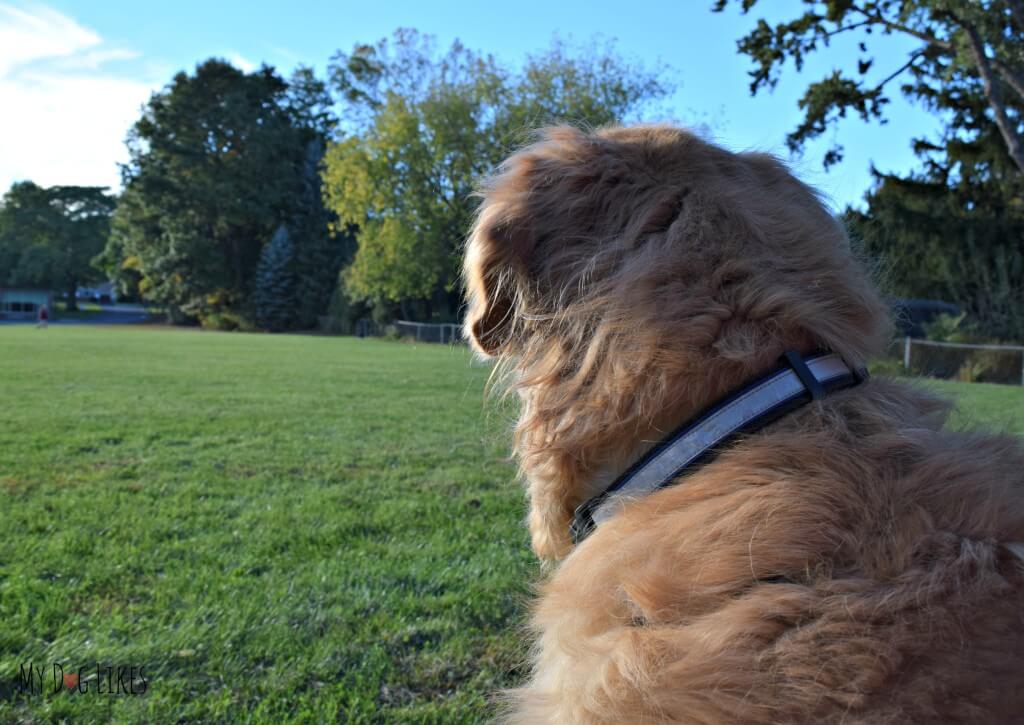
[(851, 562)]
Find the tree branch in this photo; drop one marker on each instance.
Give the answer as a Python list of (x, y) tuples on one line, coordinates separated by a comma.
[(913, 57), (1017, 11), (844, 28), (1013, 78), (929, 39), (995, 97)]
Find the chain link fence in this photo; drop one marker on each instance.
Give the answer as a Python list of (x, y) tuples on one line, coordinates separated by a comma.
[(963, 361), (443, 333), (950, 360)]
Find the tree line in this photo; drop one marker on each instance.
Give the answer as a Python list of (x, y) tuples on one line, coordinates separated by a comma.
[(952, 229), (49, 237), (257, 202)]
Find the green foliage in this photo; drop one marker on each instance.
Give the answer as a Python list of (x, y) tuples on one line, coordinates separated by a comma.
[(34, 267), (969, 63), (343, 313), (424, 129), (319, 253), (274, 297), (49, 236), (952, 230), (953, 239), (968, 365), (952, 328), (219, 160)]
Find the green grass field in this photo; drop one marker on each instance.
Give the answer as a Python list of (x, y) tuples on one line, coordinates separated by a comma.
[(277, 528)]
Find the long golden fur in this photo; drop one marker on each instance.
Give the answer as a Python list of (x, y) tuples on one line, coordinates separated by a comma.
[(852, 562)]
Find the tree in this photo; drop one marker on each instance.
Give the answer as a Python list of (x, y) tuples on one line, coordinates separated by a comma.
[(967, 48), (34, 267), (960, 242), (219, 161), (274, 297), (424, 128), (26, 220), (323, 246), (49, 236), (954, 229)]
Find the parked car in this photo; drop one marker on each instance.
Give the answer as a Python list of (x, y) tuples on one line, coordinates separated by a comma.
[(912, 315)]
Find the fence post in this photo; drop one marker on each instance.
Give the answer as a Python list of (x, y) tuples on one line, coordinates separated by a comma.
[(906, 352)]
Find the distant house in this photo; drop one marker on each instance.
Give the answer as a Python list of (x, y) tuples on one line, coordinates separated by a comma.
[(23, 303), (104, 293)]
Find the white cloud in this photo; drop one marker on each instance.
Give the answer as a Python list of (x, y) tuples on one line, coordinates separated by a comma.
[(281, 52), (93, 59), (35, 32), (241, 62), (65, 116)]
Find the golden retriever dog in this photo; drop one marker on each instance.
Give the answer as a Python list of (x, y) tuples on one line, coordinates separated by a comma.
[(853, 560)]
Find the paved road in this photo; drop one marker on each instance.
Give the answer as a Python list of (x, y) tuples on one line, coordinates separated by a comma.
[(123, 314)]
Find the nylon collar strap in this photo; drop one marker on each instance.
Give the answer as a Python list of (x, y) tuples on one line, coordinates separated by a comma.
[(796, 382)]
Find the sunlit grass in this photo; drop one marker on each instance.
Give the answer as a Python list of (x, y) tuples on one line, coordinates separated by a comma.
[(276, 527), (285, 526)]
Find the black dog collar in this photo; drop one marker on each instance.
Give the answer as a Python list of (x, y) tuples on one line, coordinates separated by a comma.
[(796, 382)]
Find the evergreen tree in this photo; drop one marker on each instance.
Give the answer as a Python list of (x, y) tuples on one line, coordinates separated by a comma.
[(218, 163), (274, 295), (961, 242), (953, 229), (319, 252)]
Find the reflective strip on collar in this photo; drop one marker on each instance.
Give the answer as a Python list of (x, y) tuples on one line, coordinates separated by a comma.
[(694, 442), (1017, 549)]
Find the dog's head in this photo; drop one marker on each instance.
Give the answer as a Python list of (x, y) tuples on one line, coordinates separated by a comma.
[(631, 276)]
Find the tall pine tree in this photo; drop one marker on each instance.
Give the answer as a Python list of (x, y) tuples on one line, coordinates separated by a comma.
[(274, 294), (319, 253)]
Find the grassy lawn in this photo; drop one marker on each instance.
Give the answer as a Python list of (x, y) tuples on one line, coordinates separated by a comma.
[(994, 407), (275, 527)]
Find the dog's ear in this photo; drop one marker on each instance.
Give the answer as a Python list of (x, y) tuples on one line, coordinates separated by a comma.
[(496, 261), (533, 197)]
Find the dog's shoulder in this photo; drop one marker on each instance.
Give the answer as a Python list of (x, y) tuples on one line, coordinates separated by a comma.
[(839, 562)]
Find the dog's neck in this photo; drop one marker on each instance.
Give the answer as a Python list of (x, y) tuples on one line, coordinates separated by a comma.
[(574, 454), (796, 382)]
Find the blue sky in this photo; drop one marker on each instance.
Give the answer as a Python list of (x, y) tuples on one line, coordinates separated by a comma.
[(74, 73)]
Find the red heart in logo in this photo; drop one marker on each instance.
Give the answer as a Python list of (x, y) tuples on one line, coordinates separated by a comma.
[(71, 680)]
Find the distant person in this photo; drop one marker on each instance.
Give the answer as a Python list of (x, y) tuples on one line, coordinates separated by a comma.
[(44, 317)]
